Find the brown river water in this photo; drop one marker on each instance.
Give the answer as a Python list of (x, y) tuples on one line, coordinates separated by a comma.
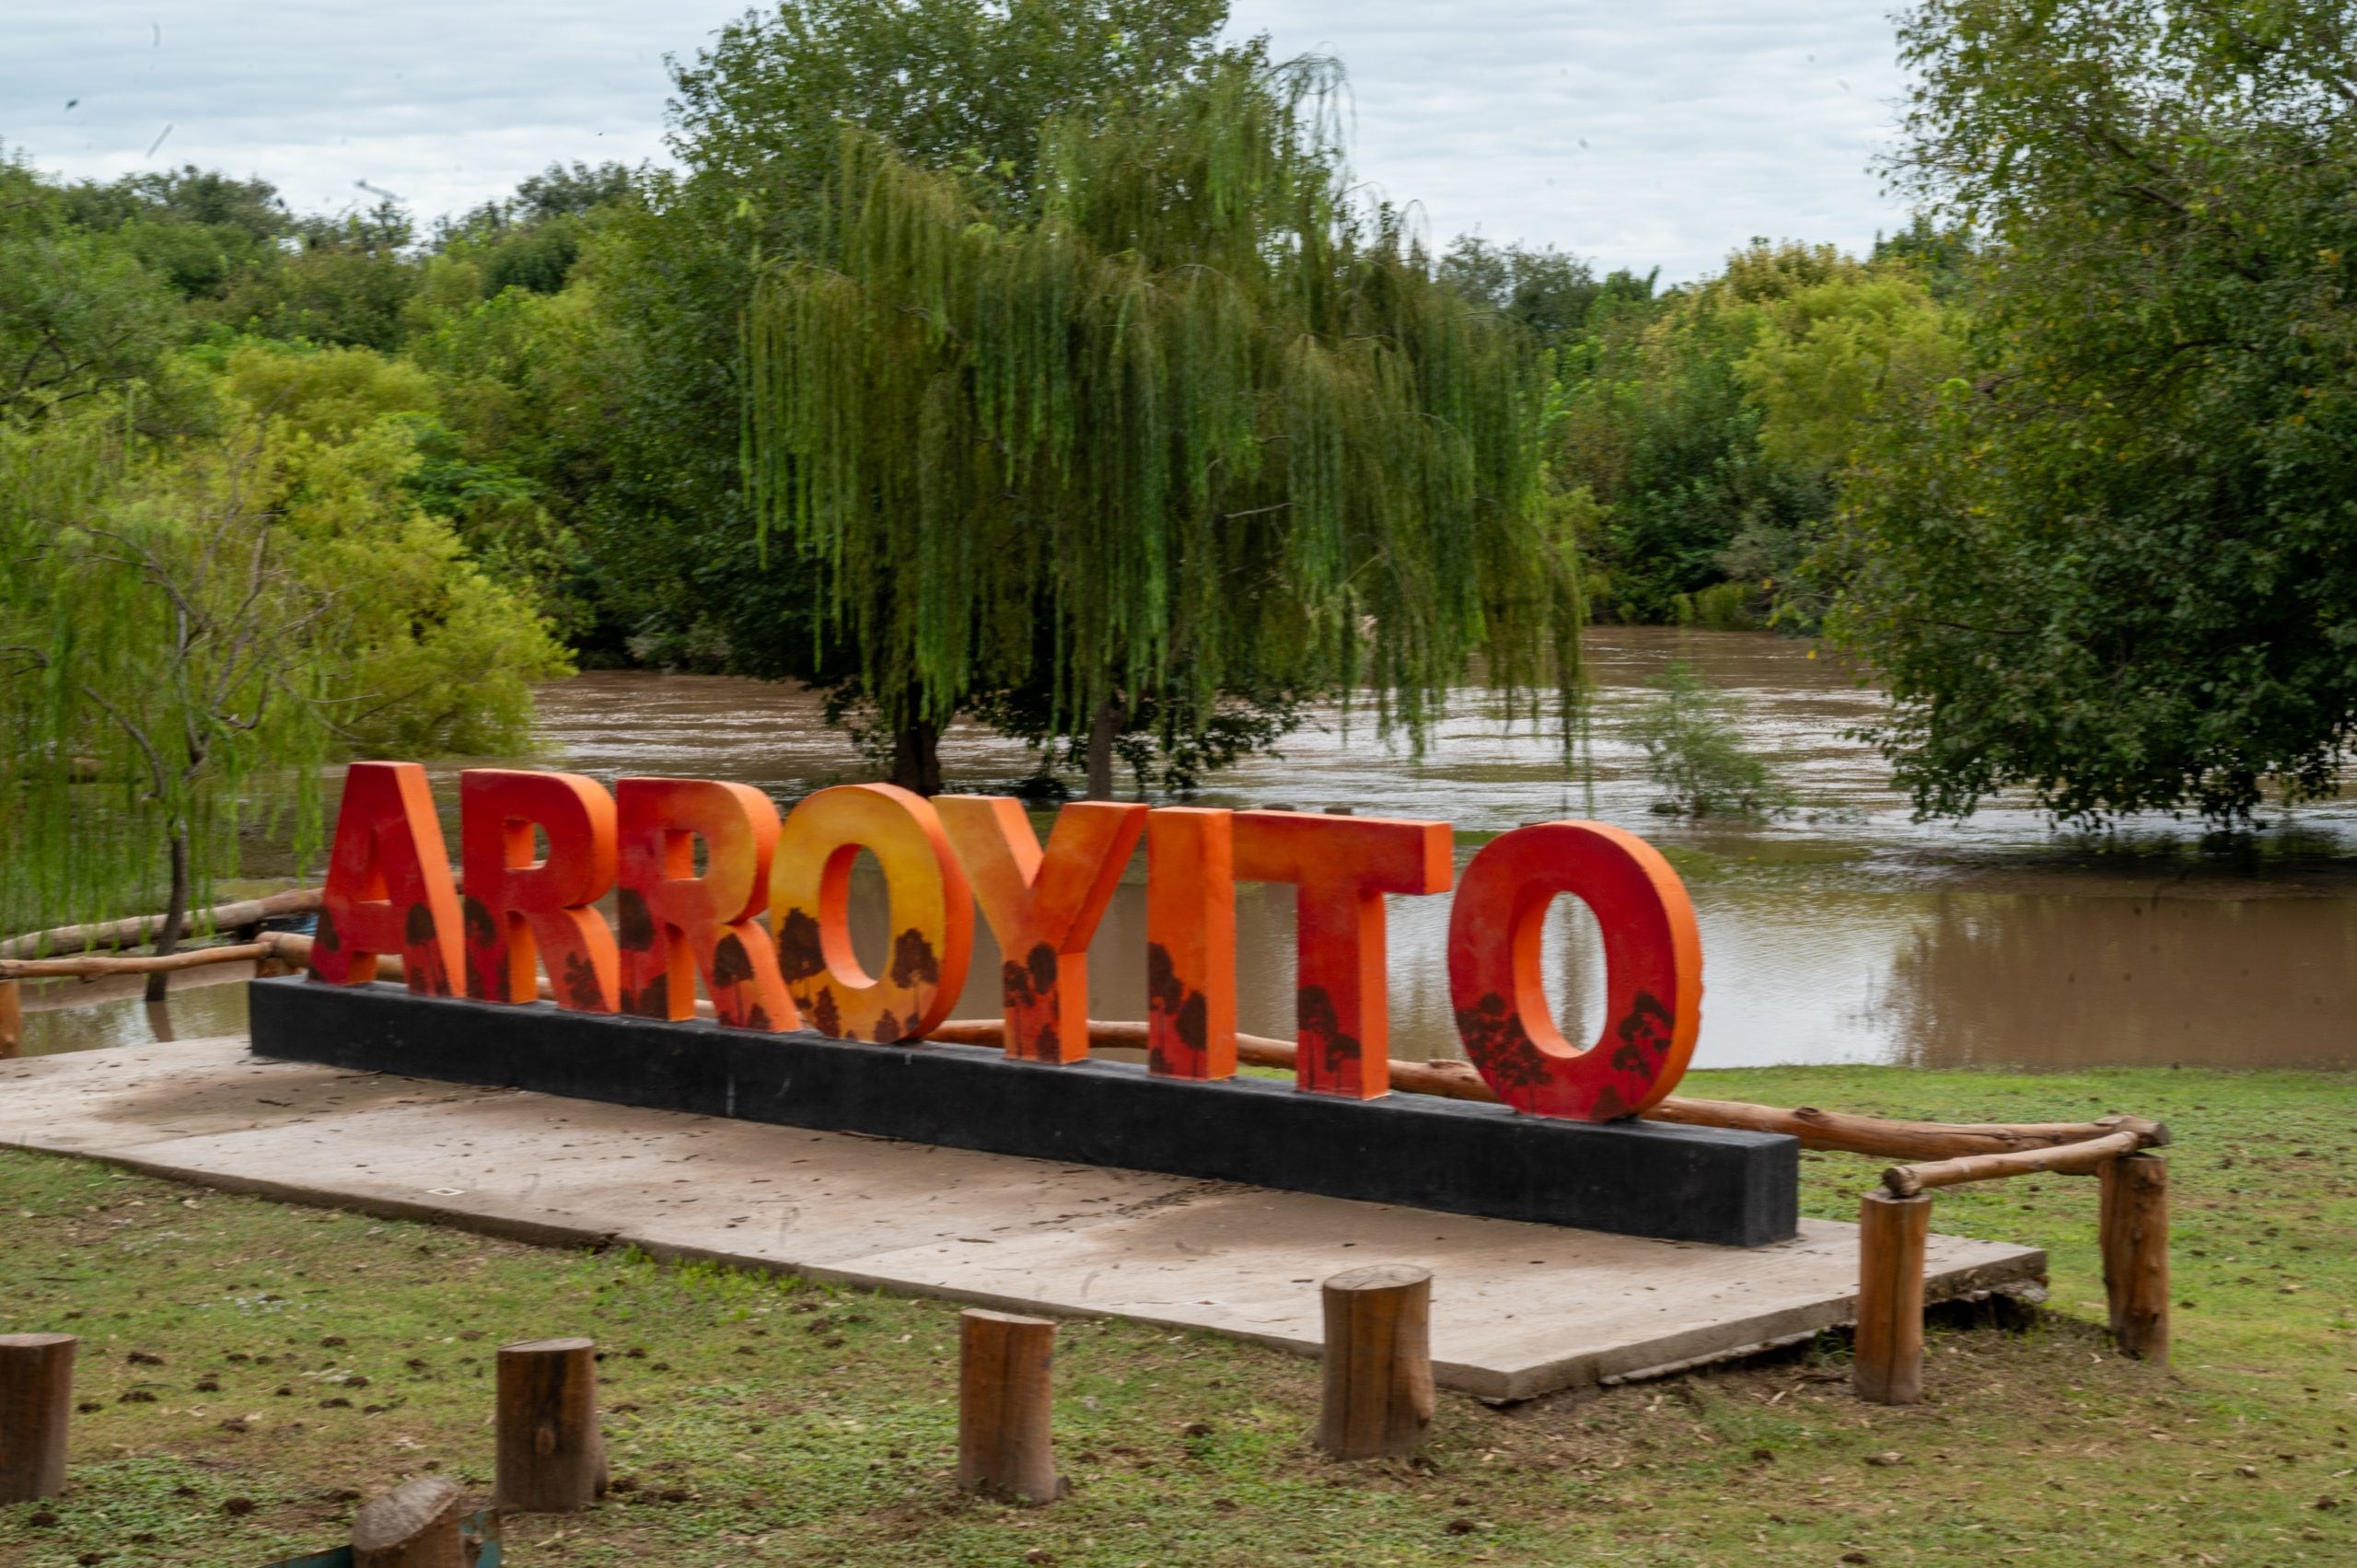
[(1845, 933)]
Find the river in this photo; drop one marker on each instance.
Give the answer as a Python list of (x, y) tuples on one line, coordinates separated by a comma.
[(1845, 932)]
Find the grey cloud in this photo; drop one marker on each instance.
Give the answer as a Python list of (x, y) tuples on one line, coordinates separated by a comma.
[(1705, 123)]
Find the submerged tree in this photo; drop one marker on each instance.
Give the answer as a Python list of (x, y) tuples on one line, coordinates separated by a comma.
[(190, 628), (1201, 426)]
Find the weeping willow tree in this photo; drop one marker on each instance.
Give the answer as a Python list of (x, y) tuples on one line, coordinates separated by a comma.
[(145, 630), (1203, 425), (192, 626)]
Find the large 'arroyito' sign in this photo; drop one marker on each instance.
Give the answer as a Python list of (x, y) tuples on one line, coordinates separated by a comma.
[(388, 891)]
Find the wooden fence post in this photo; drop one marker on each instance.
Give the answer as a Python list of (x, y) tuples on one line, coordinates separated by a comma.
[(1003, 1364), (414, 1525), (36, 1401), (1378, 1362), (551, 1456), (1888, 1363), (2136, 1254), (12, 1018)]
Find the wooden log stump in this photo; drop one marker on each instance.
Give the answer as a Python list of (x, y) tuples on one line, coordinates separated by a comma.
[(1888, 1365), (551, 1456), (1378, 1362), (2136, 1254), (414, 1525), (36, 1401), (12, 1018), (1003, 1364)]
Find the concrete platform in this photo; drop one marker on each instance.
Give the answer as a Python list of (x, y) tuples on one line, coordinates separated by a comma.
[(1518, 1310)]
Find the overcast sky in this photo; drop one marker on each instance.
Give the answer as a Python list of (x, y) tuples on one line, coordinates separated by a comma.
[(1661, 132)]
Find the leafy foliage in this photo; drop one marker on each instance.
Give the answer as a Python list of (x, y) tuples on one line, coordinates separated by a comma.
[(2115, 567), (1691, 734), (956, 86), (190, 627), (1196, 428)]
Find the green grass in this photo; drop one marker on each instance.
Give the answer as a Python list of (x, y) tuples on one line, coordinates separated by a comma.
[(757, 1420)]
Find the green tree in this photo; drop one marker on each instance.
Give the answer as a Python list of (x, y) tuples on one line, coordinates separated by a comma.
[(2114, 567), (189, 627), (1549, 291), (961, 86), (1662, 429), (347, 283), (200, 230), (533, 239), (80, 314), (1199, 427), (1691, 735)]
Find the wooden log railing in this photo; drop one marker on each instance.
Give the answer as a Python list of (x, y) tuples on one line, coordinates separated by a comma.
[(1888, 1365), (2135, 1212), (142, 929)]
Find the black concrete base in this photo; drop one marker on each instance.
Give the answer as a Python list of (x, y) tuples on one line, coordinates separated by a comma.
[(1635, 1178)]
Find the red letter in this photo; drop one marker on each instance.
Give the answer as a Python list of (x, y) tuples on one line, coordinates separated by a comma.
[(1190, 943), (1343, 865), (675, 923), (389, 884), (1043, 908), (1653, 967), (811, 899), (516, 905)]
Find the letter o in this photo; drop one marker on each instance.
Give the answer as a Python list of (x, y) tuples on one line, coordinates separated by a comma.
[(931, 906), (1653, 963)]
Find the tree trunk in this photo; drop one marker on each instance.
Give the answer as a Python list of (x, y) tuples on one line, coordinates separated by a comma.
[(1104, 728), (167, 935), (916, 756)]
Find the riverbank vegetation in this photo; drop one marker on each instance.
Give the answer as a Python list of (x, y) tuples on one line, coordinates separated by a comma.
[(302, 1359), (2066, 461)]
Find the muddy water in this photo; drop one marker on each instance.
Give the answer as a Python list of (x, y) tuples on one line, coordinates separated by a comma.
[(1845, 932)]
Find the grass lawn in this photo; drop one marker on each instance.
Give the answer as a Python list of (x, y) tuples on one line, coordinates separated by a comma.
[(250, 1369)]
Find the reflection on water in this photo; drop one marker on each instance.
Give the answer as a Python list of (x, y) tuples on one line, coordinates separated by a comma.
[(71, 1014), (2076, 981), (1846, 933)]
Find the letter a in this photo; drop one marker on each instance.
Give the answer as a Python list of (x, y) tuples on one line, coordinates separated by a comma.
[(389, 884)]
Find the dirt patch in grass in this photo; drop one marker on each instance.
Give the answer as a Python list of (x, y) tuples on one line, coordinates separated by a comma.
[(250, 1370)]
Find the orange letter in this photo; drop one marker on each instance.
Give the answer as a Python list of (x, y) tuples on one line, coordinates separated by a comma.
[(516, 905), (1343, 865), (389, 884), (1652, 969), (675, 923), (1190, 943), (1043, 908), (926, 893)]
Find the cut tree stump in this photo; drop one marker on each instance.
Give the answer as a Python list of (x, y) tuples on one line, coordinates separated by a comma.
[(552, 1458), (12, 1018), (36, 1401), (1892, 1233), (2135, 1234), (1003, 1366), (1378, 1362), (414, 1525)]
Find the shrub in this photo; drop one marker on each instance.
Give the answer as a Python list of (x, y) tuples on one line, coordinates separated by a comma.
[(1691, 734)]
